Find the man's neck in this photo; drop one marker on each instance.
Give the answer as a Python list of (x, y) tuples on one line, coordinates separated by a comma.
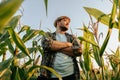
[(61, 32)]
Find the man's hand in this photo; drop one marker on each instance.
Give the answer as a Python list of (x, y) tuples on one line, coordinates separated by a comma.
[(68, 44), (66, 48)]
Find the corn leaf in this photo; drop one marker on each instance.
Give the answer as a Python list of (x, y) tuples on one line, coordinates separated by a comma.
[(10, 46), (16, 75), (27, 63), (111, 22), (113, 14), (105, 42), (40, 50), (46, 5), (53, 71), (43, 33), (119, 29), (25, 27), (119, 32), (119, 22), (99, 15), (22, 73), (97, 57), (30, 34), (7, 10), (5, 74), (86, 55), (32, 70), (22, 55), (86, 48), (118, 52), (82, 66), (4, 36), (113, 65), (88, 41), (19, 43), (14, 21), (5, 64)]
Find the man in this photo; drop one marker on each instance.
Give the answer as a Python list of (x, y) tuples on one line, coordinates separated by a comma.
[(60, 52)]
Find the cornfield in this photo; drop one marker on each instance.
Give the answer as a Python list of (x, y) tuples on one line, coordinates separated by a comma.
[(14, 41)]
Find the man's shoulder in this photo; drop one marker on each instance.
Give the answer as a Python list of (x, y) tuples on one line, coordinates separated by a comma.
[(70, 35), (50, 34)]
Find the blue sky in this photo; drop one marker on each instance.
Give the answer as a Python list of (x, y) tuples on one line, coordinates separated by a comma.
[(34, 13)]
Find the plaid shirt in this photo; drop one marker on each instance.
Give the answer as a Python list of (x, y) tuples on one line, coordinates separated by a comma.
[(49, 55)]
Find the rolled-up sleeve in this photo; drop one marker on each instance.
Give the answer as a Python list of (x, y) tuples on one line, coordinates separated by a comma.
[(77, 47), (46, 42)]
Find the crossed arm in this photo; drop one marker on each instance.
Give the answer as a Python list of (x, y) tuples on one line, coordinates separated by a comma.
[(66, 48)]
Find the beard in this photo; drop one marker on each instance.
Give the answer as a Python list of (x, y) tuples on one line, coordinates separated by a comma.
[(63, 28)]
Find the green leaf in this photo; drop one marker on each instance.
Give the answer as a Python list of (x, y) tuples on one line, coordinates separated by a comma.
[(53, 71), (82, 66), (86, 48), (14, 21), (25, 27), (40, 50), (87, 36), (99, 15), (113, 65), (5, 74), (111, 22), (87, 40), (5, 64), (7, 10), (9, 43), (43, 33), (32, 70), (22, 55), (15, 74), (22, 73), (119, 34), (97, 57), (118, 52), (30, 34), (19, 43), (27, 63), (3, 48), (46, 5), (113, 12), (119, 22), (105, 42), (4, 36)]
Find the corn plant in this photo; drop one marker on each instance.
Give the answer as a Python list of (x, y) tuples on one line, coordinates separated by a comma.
[(92, 49), (11, 42)]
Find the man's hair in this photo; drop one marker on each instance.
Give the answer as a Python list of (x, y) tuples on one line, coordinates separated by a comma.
[(60, 18)]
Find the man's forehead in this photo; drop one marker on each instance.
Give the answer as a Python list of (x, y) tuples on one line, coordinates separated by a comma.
[(65, 19)]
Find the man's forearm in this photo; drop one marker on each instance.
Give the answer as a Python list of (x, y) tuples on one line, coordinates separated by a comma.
[(71, 51), (57, 45), (68, 51), (66, 48)]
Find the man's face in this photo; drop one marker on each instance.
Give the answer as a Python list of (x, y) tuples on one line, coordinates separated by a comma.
[(64, 24)]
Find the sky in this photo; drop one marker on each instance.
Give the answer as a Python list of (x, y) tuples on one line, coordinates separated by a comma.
[(34, 13)]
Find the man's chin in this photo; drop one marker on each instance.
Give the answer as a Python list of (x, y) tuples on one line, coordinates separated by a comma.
[(63, 28)]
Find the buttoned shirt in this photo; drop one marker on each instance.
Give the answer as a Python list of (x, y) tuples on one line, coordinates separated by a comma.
[(48, 57)]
